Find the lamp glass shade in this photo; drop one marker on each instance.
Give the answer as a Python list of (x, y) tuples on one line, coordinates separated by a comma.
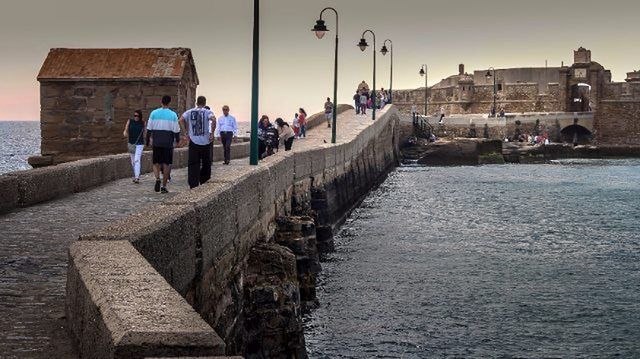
[(363, 44), (384, 50), (421, 72), (488, 75), (320, 29)]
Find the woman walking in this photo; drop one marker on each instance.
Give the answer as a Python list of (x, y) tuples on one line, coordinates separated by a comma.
[(285, 133), (135, 130), (302, 121)]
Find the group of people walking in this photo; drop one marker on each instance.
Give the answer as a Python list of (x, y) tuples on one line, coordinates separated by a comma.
[(200, 127), (364, 100), (163, 133)]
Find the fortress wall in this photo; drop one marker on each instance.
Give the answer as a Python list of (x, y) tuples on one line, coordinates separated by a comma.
[(617, 117), (200, 240)]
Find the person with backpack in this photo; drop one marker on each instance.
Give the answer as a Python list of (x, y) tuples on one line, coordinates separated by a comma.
[(285, 134), (196, 121), (135, 130)]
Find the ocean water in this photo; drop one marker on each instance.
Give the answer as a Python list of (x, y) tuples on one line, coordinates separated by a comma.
[(18, 141), (500, 261)]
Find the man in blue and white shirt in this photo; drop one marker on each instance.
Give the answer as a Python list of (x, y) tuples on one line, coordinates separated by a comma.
[(163, 131), (200, 137), (226, 129)]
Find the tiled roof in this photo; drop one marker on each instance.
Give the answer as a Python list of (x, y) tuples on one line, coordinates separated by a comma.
[(116, 64)]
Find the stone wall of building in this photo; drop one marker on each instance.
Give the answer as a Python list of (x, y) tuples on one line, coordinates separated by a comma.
[(81, 119), (618, 114)]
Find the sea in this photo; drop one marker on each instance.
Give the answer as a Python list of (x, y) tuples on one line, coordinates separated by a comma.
[(19, 140), (496, 261)]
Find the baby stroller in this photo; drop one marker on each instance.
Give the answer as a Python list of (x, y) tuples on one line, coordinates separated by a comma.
[(271, 141)]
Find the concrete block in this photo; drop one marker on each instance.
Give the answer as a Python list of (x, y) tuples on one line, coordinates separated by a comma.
[(166, 235), (302, 164), (240, 150), (44, 184), (329, 156), (122, 165), (91, 172), (247, 194), (118, 306), (180, 157), (215, 209), (282, 173), (9, 195)]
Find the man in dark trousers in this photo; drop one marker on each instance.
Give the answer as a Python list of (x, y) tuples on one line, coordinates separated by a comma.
[(200, 137), (226, 129)]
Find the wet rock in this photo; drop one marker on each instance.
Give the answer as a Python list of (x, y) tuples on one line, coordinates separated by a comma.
[(273, 324), (299, 235), (459, 152)]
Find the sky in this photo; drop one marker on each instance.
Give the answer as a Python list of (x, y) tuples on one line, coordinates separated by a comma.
[(296, 69)]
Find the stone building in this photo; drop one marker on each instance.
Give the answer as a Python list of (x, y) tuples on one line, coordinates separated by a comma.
[(87, 95), (585, 86)]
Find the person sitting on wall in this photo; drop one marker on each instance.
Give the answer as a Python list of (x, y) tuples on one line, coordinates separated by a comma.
[(267, 136)]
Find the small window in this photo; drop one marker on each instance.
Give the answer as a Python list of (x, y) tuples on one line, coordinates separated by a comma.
[(499, 87)]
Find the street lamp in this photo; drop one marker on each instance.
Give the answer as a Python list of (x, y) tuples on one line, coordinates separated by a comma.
[(363, 46), (423, 73), (320, 29), (253, 155), (384, 52), (489, 75)]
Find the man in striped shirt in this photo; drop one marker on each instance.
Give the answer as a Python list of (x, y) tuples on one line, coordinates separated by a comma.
[(163, 131)]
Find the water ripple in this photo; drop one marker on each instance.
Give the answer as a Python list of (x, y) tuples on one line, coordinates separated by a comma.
[(491, 261)]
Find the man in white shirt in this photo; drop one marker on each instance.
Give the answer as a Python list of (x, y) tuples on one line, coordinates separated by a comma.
[(226, 129), (198, 134)]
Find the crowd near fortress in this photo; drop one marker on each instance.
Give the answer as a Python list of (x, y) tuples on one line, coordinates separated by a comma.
[(97, 268)]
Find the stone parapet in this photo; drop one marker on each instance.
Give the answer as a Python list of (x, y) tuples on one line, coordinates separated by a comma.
[(200, 241), (122, 308), (29, 187)]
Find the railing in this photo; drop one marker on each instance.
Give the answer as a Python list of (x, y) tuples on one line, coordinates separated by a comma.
[(421, 126)]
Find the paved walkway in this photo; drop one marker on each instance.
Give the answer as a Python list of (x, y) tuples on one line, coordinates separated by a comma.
[(34, 243)]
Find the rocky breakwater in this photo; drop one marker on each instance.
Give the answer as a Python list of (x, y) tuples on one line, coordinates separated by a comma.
[(236, 258), (528, 153), (456, 152)]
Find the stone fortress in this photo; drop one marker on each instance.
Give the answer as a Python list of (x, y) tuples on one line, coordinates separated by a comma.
[(585, 86)]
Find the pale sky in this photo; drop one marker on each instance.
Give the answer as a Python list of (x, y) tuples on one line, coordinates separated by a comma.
[(296, 68)]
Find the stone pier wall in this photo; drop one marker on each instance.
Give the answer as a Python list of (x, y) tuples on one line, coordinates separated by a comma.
[(200, 242)]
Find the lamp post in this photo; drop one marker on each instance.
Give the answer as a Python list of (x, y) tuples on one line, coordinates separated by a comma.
[(384, 52), (489, 75), (320, 29), (423, 73), (253, 157), (363, 46)]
